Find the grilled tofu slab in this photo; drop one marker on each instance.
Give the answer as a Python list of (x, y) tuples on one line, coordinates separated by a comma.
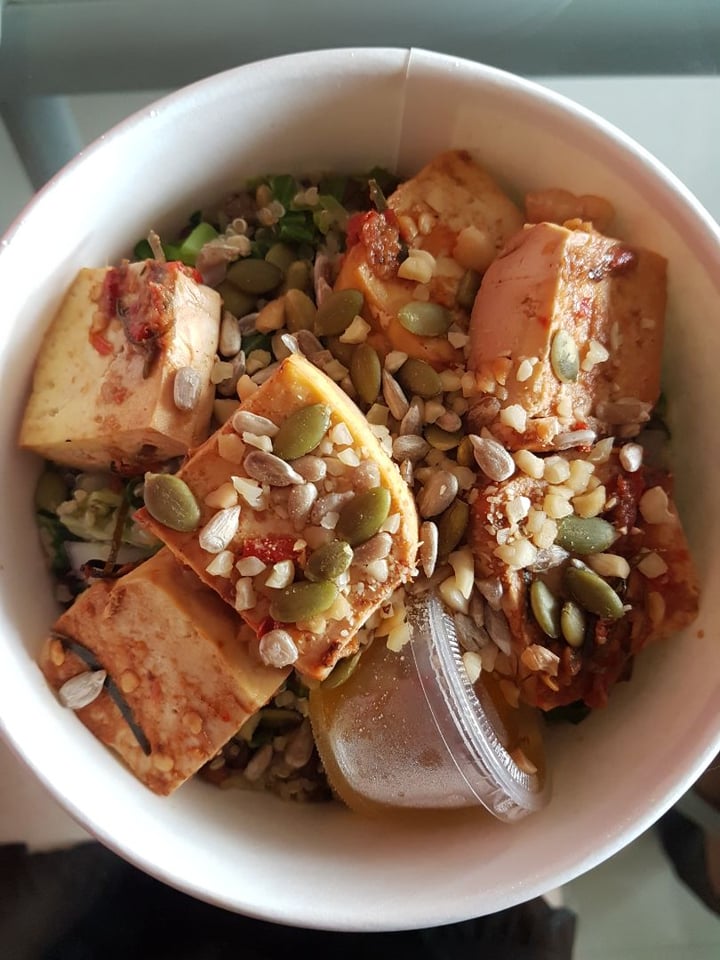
[(103, 388), (283, 510), (566, 334), (587, 510), (452, 218), (179, 661)]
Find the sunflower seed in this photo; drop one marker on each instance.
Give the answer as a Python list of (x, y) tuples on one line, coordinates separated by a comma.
[(410, 447), (407, 472), (308, 343), (482, 413), (330, 503), (497, 627), (437, 494), (492, 590), (367, 476), (492, 458), (412, 422), (230, 336), (81, 690), (548, 557), (300, 500), (574, 438), (300, 748), (283, 345), (394, 396), (311, 468), (429, 547), (267, 468), (218, 532), (186, 388), (377, 548), (246, 422)]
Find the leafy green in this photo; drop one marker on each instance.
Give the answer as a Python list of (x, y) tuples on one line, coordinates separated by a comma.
[(283, 188), (573, 713), (255, 341)]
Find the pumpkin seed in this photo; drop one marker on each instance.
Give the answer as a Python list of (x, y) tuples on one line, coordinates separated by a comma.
[(337, 312), (343, 352), (451, 527), (366, 372), (303, 601), (342, 671), (299, 311), (593, 593), (298, 276), (564, 357), (170, 501), (572, 623), (234, 300), (254, 276), (545, 607), (468, 288), (584, 535), (302, 431), (437, 494), (425, 319), (329, 561), (442, 439), (363, 516), (281, 255), (269, 468), (418, 378)]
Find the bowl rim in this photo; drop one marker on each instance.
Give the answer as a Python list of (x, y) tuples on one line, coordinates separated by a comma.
[(683, 210)]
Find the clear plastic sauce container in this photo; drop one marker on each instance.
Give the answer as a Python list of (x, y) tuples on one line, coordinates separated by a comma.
[(409, 730)]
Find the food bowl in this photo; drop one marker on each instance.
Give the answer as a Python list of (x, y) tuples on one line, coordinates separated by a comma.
[(321, 865)]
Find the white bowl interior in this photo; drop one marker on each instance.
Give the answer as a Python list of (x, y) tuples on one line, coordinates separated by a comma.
[(321, 866)]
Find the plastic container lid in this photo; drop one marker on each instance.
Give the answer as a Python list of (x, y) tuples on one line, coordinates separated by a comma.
[(475, 726)]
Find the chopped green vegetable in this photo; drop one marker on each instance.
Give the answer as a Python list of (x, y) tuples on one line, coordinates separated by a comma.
[(195, 241), (142, 250), (283, 188), (255, 341)]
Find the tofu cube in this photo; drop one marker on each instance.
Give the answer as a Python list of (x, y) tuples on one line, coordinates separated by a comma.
[(567, 334), (104, 379), (280, 525), (452, 217), (515, 530), (180, 659)]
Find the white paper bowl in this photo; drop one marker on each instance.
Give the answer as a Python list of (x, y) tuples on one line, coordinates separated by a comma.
[(321, 866)]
